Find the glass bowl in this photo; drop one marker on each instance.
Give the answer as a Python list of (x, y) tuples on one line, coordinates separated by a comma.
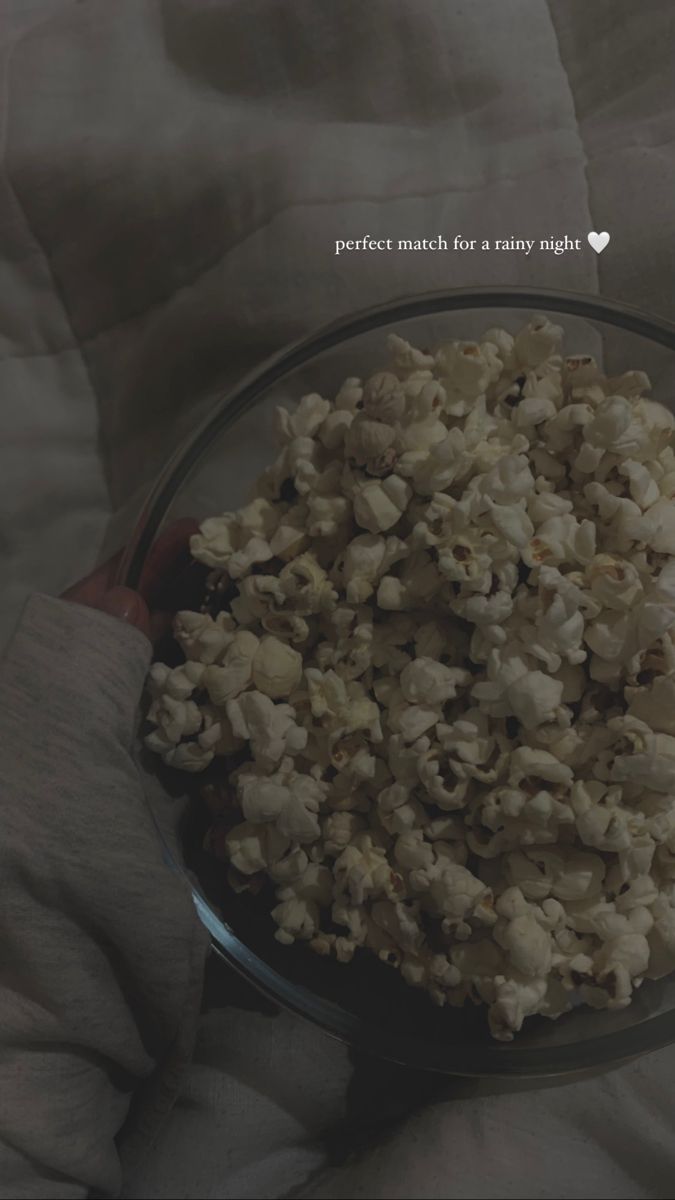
[(366, 1003)]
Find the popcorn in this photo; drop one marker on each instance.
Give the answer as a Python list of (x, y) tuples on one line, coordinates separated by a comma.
[(326, 515), (217, 733), (175, 719), (368, 439), (256, 550), (188, 756), (252, 848), (364, 561), (290, 537), (285, 625), (532, 411), (427, 680), (412, 720), (614, 582), (225, 682), (454, 893), (644, 489), (287, 798), (620, 965), (338, 830), (537, 342), (399, 923), (201, 637), (468, 367), (349, 395), (650, 760), (534, 698), (407, 358), (216, 540), (178, 684), (512, 522), (442, 678), (527, 945), (444, 788), (276, 668), (362, 870), (269, 728), (379, 505), (661, 940), (655, 705), (384, 398), (305, 586), (297, 919), (509, 480), (656, 527), (515, 1000)]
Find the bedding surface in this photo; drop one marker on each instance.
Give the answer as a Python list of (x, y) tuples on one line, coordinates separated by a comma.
[(174, 175)]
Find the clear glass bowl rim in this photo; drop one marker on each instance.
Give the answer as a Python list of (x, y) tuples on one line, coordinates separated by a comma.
[(499, 1059)]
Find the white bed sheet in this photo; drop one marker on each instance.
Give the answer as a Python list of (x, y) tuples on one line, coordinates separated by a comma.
[(174, 175)]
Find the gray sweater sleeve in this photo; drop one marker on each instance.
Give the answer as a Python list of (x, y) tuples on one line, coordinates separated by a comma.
[(101, 953)]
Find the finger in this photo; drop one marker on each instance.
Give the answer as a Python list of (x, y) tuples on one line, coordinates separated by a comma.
[(126, 605), (171, 579), (161, 623), (94, 586)]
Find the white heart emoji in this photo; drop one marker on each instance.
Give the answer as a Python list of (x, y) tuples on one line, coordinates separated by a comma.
[(598, 241)]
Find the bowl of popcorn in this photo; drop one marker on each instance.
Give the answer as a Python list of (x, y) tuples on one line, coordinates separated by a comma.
[(421, 710)]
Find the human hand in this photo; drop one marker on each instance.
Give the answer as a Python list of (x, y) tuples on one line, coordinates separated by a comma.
[(92, 915), (168, 578)]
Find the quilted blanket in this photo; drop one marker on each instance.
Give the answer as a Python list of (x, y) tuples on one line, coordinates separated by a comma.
[(174, 176)]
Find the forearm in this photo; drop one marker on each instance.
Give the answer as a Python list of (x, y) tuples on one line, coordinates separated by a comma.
[(98, 971)]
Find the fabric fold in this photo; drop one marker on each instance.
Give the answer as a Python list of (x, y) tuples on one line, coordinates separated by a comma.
[(101, 952)]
